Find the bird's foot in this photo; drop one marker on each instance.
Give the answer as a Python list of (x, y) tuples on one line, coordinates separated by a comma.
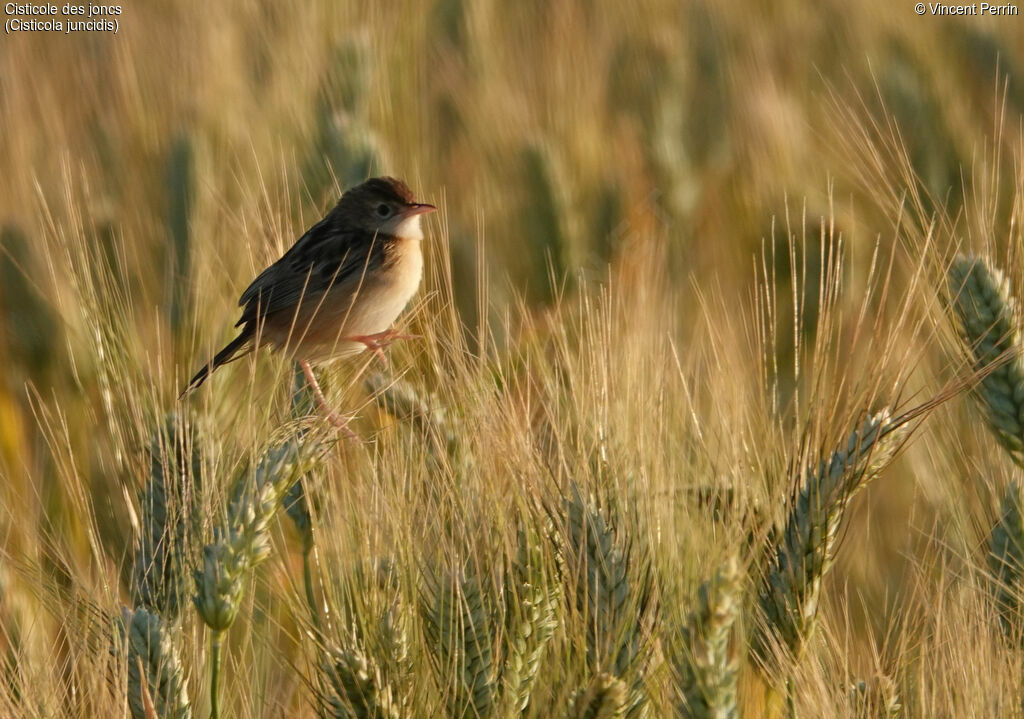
[(338, 420), (378, 341)]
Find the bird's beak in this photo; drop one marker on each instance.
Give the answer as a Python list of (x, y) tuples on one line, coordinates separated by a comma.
[(418, 209)]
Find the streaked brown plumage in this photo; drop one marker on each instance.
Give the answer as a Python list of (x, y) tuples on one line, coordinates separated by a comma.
[(340, 286)]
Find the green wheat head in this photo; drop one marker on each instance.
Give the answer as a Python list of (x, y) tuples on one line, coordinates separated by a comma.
[(460, 632), (243, 541), (358, 686), (366, 665), (990, 327), (704, 670), (610, 588), (606, 697), (597, 562), (531, 620), (804, 549), (156, 678), (1006, 560), (169, 504), (346, 148)]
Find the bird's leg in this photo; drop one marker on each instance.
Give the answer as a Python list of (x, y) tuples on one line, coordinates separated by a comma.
[(379, 340), (333, 417)]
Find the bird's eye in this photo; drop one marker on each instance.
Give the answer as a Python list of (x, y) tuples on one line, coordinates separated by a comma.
[(383, 210)]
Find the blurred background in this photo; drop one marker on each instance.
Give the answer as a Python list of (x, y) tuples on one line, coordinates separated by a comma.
[(565, 141), (553, 133)]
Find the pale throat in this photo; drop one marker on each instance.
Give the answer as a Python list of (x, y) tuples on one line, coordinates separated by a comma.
[(407, 228)]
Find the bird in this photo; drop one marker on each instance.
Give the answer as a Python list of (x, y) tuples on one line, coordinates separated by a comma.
[(338, 289)]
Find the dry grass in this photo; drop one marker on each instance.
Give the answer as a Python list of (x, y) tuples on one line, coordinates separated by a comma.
[(685, 253)]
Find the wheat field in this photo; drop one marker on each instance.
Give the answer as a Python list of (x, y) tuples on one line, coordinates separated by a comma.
[(716, 409)]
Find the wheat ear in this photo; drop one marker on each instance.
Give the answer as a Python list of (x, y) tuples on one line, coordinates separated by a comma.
[(169, 502), (804, 549), (990, 327), (156, 679), (598, 563), (531, 620), (459, 628), (1006, 560), (606, 697), (359, 689), (704, 670), (243, 541)]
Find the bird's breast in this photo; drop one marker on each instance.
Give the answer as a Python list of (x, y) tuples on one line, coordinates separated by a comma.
[(405, 261), (370, 303), (363, 304)]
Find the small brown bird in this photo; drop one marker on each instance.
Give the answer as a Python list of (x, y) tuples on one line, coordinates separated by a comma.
[(337, 290)]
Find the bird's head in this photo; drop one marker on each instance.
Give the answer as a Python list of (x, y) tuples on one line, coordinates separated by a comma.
[(383, 205)]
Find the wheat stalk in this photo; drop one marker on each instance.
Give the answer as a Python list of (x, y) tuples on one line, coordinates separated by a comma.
[(296, 501)]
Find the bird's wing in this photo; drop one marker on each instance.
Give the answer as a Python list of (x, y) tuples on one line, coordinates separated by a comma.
[(324, 257)]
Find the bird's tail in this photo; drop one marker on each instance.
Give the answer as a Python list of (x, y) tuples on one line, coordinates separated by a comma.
[(223, 357)]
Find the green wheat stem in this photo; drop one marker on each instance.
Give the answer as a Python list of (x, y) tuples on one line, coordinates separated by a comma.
[(216, 641), (307, 580), (297, 500)]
